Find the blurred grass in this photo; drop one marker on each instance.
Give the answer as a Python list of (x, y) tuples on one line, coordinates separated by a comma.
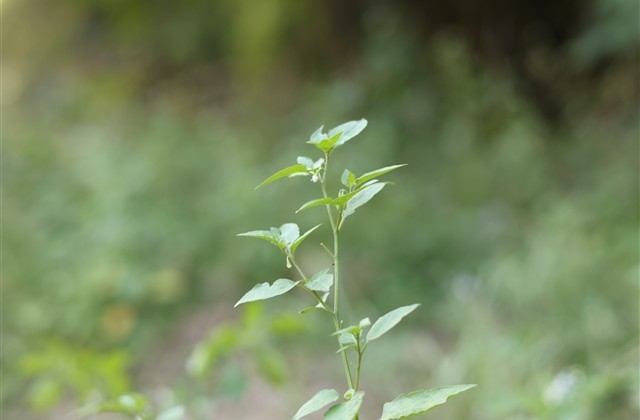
[(120, 211)]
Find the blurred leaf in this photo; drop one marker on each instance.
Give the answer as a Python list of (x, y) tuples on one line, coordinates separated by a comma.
[(174, 413), (44, 394), (271, 365), (349, 130), (130, 404), (208, 352), (388, 321), (266, 291), (420, 401), (315, 403), (346, 410)]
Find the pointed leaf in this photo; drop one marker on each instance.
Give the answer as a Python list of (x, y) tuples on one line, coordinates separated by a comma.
[(297, 169), (388, 321), (321, 281), (265, 235), (298, 241), (361, 198), (314, 203), (348, 178), (265, 291), (321, 399), (420, 401), (374, 174), (349, 130), (345, 410)]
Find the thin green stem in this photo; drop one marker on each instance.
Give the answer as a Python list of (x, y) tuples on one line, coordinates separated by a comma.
[(336, 272), (313, 292), (360, 353)]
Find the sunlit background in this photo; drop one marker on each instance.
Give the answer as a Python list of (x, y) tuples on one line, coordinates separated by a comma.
[(135, 132)]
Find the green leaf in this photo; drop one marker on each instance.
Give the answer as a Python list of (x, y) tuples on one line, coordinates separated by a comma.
[(271, 365), (289, 233), (297, 169), (345, 410), (131, 404), (322, 141), (266, 291), (208, 352), (321, 281), (314, 203), (388, 321), (337, 136), (362, 197), (298, 241), (349, 130), (306, 161), (374, 174), (348, 178), (321, 399), (263, 234), (173, 413), (420, 401)]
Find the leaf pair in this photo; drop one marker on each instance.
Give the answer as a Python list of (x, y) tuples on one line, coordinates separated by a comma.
[(337, 136), (411, 404), (346, 410)]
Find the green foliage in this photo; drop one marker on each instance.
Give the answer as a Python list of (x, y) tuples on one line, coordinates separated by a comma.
[(420, 401), (58, 369), (360, 190), (134, 406)]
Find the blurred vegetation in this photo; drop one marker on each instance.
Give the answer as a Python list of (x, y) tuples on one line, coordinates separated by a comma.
[(135, 133)]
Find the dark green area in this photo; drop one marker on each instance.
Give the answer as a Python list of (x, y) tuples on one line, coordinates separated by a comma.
[(134, 134)]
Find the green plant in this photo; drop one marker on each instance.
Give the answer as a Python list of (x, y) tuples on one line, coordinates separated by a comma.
[(352, 340)]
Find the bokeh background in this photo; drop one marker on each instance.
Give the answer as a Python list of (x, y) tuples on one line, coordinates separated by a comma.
[(134, 133)]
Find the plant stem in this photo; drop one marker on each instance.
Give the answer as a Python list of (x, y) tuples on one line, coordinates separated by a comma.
[(336, 273)]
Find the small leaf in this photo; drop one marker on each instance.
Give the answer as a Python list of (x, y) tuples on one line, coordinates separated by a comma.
[(349, 130), (271, 365), (289, 233), (314, 203), (322, 141), (388, 321), (306, 161), (298, 241), (345, 410), (265, 291), (208, 352), (174, 413), (321, 399), (348, 178), (420, 401), (374, 174), (263, 234), (321, 281), (297, 169), (361, 198)]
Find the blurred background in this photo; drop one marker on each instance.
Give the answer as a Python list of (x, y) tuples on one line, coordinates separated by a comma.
[(135, 133)]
